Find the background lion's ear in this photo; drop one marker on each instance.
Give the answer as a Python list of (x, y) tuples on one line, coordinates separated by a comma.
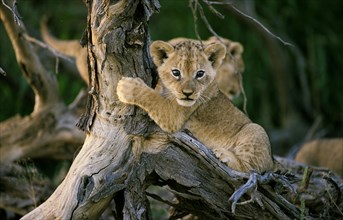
[(215, 53), (235, 49), (234, 54), (159, 51)]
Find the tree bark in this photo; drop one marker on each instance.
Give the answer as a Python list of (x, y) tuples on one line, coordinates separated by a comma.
[(125, 152)]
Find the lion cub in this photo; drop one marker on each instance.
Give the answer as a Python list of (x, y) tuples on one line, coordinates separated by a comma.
[(191, 100), (323, 153)]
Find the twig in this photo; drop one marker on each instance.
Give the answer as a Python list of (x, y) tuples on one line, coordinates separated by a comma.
[(213, 10), (51, 49), (251, 18), (196, 6), (279, 178), (57, 64), (335, 204), (256, 196), (302, 209), (219, 3), (2, 72), (250, 185), (44, 45), (245, 99), (306, 178), (208, 25), (193, 4), (261, 25), (16, 16), (334, 183), (311, 133)]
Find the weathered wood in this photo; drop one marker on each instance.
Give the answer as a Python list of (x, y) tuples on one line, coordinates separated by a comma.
[(51, 133)]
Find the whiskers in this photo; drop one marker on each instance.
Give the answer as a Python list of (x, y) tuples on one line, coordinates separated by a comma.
[(169, 96), (204, 99)]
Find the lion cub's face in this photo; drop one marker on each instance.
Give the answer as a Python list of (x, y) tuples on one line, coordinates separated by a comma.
[(186, 69)]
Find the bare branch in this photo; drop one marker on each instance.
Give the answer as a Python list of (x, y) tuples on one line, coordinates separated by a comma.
[(16, 16), (2, 72), (225, 2), (334, 202), (245, 99), (193, 4), (56, 53), (262, 26), (46, 46), (213, 10), (219, 3), (255, 21), (195, 7), (208, 25)]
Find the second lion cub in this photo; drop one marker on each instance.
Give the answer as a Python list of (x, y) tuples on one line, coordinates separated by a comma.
[(192, 101)]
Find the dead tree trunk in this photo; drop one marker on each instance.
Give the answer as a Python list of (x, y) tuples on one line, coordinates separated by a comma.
[(117, 45), (125, 152)]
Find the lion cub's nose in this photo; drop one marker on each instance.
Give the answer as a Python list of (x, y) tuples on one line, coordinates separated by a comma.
[(187, 93)]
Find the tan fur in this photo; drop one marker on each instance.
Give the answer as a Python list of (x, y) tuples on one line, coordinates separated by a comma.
[(228, 74), (71, 48), (196, 104), (323, 153)]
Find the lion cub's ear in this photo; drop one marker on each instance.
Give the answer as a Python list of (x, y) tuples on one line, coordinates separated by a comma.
[(215, 53), (159, 51), (235, 49)]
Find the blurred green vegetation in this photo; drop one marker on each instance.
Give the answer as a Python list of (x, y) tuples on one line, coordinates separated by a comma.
[(279, 95)]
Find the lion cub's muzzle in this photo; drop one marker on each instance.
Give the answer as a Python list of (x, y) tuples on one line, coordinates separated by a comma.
[(188, 99)]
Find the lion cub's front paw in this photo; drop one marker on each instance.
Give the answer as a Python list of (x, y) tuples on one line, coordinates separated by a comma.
[(128, 89)]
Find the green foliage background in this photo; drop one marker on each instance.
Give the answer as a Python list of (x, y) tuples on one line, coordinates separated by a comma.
[(313, 27)]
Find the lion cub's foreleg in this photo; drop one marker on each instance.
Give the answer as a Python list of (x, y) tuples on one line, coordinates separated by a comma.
[(168, 115)]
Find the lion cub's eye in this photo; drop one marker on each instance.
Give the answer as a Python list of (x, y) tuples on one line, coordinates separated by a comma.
[(200, 74), (176, 73)]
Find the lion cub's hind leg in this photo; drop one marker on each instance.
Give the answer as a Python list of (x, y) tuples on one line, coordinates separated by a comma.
[(250, 150), (228, 157)]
